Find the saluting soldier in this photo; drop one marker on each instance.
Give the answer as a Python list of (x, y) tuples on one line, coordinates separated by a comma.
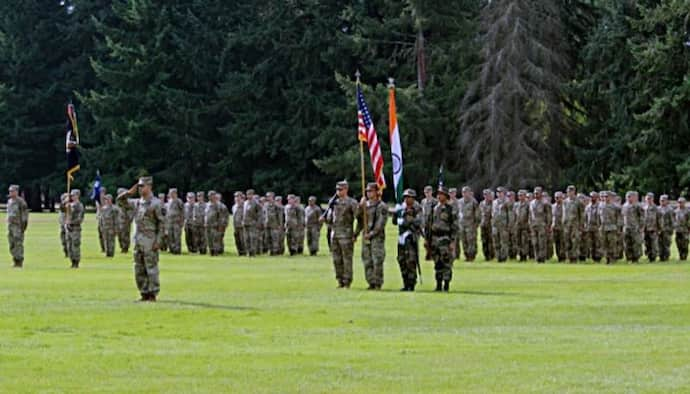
[(312, 213), (444, 228), (557, 226), (250, 223), (409, 218), (521, 211), (212, 224), (294, 225), (374, 230), (224, 220), (500, 221), (199, 227), (73, 222), (17, 221), (610, 217), (274, 217), (513, 226)]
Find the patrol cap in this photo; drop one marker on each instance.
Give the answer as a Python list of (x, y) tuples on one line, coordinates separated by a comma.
[(487, 191), (681, 199), (312, 198), (522, 192), (409, 193), (109, 197), (466, 189), (172, 190), (290, 196), (211, 193), (443, 190), (75, 192), (191, 194), (538, 189), (250, 191), (121, 190), (342, 185), (604, 193), (501, 189), (428, 188), (593, 194), (630, 193), (200, 194), (664, 197), (14, 188), (279, 198), (453, 190), (571, 188), (372, 187), (558, 194), (270, 194), (145, 180), (238, 194), (650, 195)]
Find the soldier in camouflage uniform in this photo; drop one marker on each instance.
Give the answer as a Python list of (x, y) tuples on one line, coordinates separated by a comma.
[(73, 222), (530, 253), (17, 221), (485, 225), (294, 225), (164, 212), (609, 219), (99, 204), (666, 229), (633, 227), (521, 213), (620, 249), (470, 217), (189, 222), (444, 228), (540, 224), (274, 224), (592, 233), (212, 223), (312, 213), (409, 218), (500, 221), (374, 230), (263, 231), (652, 225), (174, 221), (428, 204), (557, 226), (224, 220), (549, 233), (109, 216), (513, 227), (250, 223), (238, 232), (682, 224), (124, 223), (281, 242), (199, 226), (583, 248), (342, 215), (64, 200), (147, 238), (455, 203), (573, 224)]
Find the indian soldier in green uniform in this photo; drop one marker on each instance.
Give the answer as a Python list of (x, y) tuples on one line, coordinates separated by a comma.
[(666, 228), (174, 221), (651, 225), (250, 223), (149, 222), (73, 222), (312, 213), (164, 212), (189, 222), (124, 223), (342, 215), (374, 234), (557, 226), (470, 217), (500, 221), (682, 224), (444, 228), (592, 233), (199, 226), (238, 232), (274, 217), (485, 225), (633, 227), (521, 212), (610, 217), (109, 215), (540, 224), (409, 218), (428, 204), (64, 200), (294, 225), (573, 224), (17, 221)]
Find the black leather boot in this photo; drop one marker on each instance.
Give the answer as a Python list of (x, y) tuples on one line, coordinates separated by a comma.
[(439, 284)]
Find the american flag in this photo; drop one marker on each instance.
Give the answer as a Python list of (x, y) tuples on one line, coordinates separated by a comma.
[(367, 132)]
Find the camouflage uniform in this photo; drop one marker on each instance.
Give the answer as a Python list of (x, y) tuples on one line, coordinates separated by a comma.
[(455, 203), (274, 224), (652, 225), (189, 222), (238, 232), (263, 231), (281, 241), (109, 215), (521, 214), (592, 233), (99, 225), (124, 223), (500, 220), (342, 217), (149, 221), (312, 214), (485, 208), (557, 227), (213, 223), (74, 220), (666, 229), (200, 242), (374, 245), (444, 228), (294, 226), (609, 219), (633, 225), (540, 225), (64, 200), (470, 217), (409, 219), (428, 204), (250, 224), (573, 224), (174, 221), (17, 221), (224, 220), (164, 212), (682, 224), (512, 227)]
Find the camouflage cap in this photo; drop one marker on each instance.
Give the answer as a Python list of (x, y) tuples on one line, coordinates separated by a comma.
[(630, 193), (75, 192), (664, 197), (270, 194), (312, 198), (211, 193), (342, 185), (453, 190), (279, 198), (409, 193), (466, 189), (500, 189), (558, 194), (487, 191), (172, 190), (121, 190), (538, 189), (14, 188), (443, 190), (200, 194), (109, 197), (145, 180), (593, 194), (191, 194), (522, 192), (372, 187), (650, 195), (681, 199), (250, 191), (428, 188), (604, 193), (238, 194), (571, 188)]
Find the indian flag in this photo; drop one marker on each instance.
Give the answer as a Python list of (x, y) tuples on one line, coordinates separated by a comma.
[(396, 149)]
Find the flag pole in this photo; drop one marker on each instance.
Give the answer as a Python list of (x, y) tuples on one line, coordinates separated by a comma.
[(362, 171)]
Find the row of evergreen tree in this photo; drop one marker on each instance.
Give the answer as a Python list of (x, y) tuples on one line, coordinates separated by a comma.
[(230, 94)]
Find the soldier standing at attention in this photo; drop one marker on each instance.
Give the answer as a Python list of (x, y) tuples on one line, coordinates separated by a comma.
[(666, 229), (212, 223), (573, 224), (263, 231), (633, 227), (342, 217), (250, 223), (592, 234), (300, 232), (189, 222), (374, 230), (523, 239), (312, 213), (485, 225), (147, 238), (557, 226), (682, 223), (274, 223), (281, 206), (199, 227), (549, 233), (610, 216), (539, 224), (109, 215), (409, 218), (294, 225), (453, 192), (428, 204), (164, 212), (470, 217), (500, 220), (124, 223), (73, 222), (224, 220), (17, 221), (238, 233), (444, 228), (99, 224), (513, 227), (64, 200), (652, 225), (174, 221)]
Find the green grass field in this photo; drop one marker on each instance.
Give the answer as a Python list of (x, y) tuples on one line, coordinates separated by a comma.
[(279, 325)]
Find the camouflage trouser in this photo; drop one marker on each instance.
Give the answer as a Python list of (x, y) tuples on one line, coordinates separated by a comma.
[(15, 236), (63, 240), (665, 238), (408, 259), (651, 244), (633, 244), (469, 242), (513, 243), (251, 234), (539, 243), (215, 240), (523, 241), (559, 243), (341, 249), (189, 238), (373, 255), (146, 271), (239, 241), (501, 242), (620, 249), (295, 239), (609, 240), (443, 258), (592, 244), (74, 243), (549, 245), (282, 242), (164, 240), (682, 244), (109, 241), (200, 243), (275, 238), (313, 235), (265, 240), (487, 244), (101, 241), (174, 231), (571, 237), (458, 238), (124, 236)]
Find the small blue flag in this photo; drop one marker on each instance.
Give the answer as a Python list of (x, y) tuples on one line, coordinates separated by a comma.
[(96, 192)]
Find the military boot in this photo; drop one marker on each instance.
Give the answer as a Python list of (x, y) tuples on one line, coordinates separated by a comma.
[(439, 285)]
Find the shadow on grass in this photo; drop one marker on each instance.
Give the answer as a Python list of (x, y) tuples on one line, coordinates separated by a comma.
[(204, 305)]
